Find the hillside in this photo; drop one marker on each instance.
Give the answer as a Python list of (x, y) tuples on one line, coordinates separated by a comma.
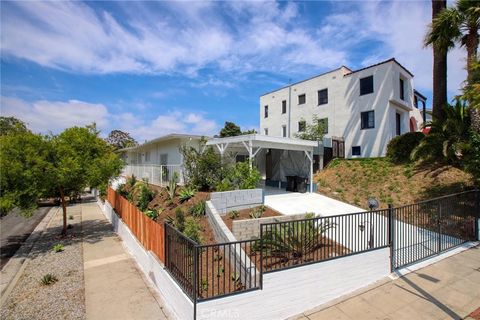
[(354, 181)]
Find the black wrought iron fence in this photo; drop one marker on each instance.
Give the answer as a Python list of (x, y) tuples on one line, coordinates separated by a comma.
[(294, 243), (429, 227), (214, 270)]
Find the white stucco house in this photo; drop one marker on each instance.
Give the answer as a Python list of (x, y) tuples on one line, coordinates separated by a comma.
[(158, 159), (362, 109)]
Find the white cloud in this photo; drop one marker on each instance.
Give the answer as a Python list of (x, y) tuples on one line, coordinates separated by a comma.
[(184, 38), (54, 116)]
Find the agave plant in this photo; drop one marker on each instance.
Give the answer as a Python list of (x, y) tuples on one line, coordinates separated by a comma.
[(294, 240), (172, 186)]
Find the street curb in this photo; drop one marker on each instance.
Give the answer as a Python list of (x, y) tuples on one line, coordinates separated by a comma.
[(11, 272)]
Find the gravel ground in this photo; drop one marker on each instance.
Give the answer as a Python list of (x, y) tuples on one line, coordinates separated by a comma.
[(65, 299)]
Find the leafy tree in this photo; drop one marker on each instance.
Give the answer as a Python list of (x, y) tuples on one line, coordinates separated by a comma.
[(120, 139), (11, 125), (458, 25), (448, 138), (314, 131), (239, 176), (230, 130), (52, 166)]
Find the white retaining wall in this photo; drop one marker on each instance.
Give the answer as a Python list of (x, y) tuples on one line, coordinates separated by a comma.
[(176, 302), (293, 291), (236, 199)]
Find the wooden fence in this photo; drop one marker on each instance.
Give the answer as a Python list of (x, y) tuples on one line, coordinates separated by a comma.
[(149, 233)]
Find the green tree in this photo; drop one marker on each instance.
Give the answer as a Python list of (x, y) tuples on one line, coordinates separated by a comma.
[(120, 139), (230, 130), (458, 25), (54, 166), (11, 125), (314, 131)]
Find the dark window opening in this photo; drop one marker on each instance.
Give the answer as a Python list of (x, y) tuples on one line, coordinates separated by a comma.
[(366, 85), (356, 151), (324, 122), (284, 106), (398, 124), (302, 125), (402, 89), (323, 96), (302, 99), (266, 112), (367, 120)]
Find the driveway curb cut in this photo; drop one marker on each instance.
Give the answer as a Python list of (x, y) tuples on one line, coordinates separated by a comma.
[(11, 272)]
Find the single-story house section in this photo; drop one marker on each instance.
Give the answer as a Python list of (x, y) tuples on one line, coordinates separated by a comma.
[(283, 162), (159, 159)]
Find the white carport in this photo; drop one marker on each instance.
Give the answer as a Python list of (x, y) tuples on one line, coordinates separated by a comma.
[(254, 143)]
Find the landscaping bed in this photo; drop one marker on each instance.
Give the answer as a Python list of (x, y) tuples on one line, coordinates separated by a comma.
[(245, 214), (60, 299)]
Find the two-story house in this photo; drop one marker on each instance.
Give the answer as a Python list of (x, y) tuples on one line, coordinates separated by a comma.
[(362, 110)]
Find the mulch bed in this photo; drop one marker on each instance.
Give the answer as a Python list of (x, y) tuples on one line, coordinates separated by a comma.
[(245, 215), (64, 299)]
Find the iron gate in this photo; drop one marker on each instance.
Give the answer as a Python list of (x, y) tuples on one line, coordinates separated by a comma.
[(427, 228)]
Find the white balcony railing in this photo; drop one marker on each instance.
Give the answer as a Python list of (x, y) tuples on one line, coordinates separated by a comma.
[(158, 175)]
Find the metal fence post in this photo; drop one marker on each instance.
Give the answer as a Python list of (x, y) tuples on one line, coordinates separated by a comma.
[(477, 214), (390, 235), (195, 270), (261, 257), (439, 217)]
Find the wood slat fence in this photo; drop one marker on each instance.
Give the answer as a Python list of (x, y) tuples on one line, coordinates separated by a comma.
[(149, 233)]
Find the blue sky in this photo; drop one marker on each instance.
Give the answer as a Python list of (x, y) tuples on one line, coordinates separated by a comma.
[(153, 68)]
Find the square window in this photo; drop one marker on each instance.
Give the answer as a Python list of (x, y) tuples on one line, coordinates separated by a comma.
[(284, 131), (266, 111), (367, 120), (323, 96), (302, 99), (356, 151), (284, 106), (302, 125), (324, 122), (366, 85)]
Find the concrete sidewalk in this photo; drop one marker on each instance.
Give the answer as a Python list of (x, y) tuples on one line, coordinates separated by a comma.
[(448, 289), (114, 287)]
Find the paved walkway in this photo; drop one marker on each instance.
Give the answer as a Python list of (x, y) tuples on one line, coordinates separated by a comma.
[(114, 287), (448, 289), (289, 203)]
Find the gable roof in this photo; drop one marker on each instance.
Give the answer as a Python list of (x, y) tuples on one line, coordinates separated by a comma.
[(380, 63)]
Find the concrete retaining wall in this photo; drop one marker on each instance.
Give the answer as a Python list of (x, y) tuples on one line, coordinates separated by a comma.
[(177, 303), (250, 228), (290, 292), (236, 199)]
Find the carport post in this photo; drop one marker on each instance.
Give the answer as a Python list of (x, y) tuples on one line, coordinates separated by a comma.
[(310, 157)]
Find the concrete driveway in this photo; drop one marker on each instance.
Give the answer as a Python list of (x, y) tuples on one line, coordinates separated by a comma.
[(289, 203)]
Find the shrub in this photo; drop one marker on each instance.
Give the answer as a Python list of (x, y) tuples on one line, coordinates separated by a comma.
[(186, 193), (198, 209), (172, 186), (142, 195), (472, 158), (131, 181), (48, 279), (239, 176), (152, 214), (400, 147), (179, 219), (202, 170), (257, 212), (70, 217), (192, 229), (58, 247), (233, 214)]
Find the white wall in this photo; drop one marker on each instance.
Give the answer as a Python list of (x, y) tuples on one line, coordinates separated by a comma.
[(290, 292), (345, 105)]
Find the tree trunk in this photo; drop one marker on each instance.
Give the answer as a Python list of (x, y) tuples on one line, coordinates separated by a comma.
[(439, 69), (64, 207), (472, 47)]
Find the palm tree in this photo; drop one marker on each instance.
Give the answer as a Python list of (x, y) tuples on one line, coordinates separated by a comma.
[(459, 25), (439, 67)]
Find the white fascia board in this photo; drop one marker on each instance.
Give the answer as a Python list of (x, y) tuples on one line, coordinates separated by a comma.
[(267, 142)]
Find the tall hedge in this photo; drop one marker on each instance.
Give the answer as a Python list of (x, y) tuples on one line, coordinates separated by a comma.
[(400, 147)]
